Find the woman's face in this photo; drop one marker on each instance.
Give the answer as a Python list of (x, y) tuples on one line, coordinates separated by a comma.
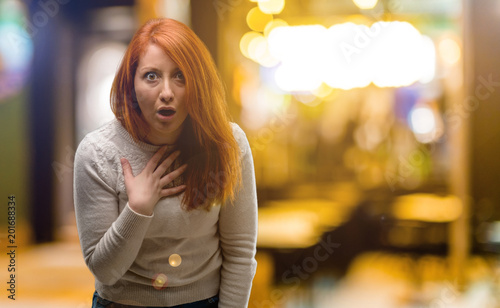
[(160, 89)]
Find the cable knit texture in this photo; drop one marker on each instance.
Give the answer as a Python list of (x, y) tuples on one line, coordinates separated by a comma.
[(127, 251)]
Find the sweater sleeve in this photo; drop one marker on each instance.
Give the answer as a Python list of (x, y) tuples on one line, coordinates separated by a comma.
[(110, 240), (238, 235)]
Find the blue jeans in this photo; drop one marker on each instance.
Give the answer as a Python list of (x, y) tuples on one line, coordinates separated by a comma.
[(99, 302)]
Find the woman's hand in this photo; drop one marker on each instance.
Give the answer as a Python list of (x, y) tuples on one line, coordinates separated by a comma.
[(145, 189)]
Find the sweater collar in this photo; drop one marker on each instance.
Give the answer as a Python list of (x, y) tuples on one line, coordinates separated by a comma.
[(143, 145)]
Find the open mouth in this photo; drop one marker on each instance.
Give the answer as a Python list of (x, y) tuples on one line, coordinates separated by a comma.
[(166, 112)]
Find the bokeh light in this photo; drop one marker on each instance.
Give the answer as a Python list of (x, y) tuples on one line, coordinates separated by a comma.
[(257, 20), (275, 23), (422, 120), (425, 123), (449, 51), (365, 4), (16, 49), (348, 55), (245, 41), (272, 6)]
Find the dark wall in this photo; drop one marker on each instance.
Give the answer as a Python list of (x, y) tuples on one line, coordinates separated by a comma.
[(483, 101)]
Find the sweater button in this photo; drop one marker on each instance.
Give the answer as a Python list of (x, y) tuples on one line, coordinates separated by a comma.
[(174, 260)]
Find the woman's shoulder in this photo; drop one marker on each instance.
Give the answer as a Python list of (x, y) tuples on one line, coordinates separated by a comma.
[(99, 139), (240, 137), (238, 132)]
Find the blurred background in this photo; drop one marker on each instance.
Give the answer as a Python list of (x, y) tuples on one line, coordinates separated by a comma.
[(373, 126)]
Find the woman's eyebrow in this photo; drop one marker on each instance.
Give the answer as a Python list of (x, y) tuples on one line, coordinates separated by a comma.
[(153, 68), (148, 68)]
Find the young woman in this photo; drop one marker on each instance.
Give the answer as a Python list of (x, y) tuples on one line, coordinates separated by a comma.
[(165, 194)]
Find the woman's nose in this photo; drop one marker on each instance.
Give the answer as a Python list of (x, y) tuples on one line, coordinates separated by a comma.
[(166, 93)]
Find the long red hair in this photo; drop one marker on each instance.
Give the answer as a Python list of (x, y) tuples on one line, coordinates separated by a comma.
[(207, 143)]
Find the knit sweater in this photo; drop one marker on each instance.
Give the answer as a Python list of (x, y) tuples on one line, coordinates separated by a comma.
[(174, 256)]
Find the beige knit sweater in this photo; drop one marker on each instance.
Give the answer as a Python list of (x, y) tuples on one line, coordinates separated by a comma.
[(173, 256)]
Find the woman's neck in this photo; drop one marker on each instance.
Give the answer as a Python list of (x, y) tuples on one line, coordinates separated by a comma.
[(161, 139)]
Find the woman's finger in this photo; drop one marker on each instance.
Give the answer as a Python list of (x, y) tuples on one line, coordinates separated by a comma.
[(172, 191), (167, 162), (172, 175), (153, 162)]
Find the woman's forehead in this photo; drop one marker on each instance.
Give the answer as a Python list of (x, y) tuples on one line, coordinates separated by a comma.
[(155, 56)]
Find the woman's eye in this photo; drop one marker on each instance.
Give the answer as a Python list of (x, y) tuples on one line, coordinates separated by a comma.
[(151, 76), (179, 75)]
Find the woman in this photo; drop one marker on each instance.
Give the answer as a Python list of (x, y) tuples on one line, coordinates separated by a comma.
[(175, 231)]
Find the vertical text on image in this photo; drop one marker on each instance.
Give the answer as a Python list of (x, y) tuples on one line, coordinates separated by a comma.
[(11, 246)]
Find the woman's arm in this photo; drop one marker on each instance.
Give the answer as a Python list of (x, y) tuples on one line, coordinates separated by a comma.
[(238, 235), (110, 240)]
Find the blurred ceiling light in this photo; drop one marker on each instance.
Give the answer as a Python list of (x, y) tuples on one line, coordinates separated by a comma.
[(287, 230), (300, 50), (117, 19), (369, 135), (96, 74), (298, 223), (427, 207), (346, 56), (260, 104), (257, 47), (365, 4), (272, 6), (297, 78), (275, 23), (322, 91), (493, 232), (176, 9), (425, 124), (427, 60), (422, 120), (306, 98), (267, 60), (16, 50), (348, 63), (255, 111), (449, 51), (257, 20), (401, 53)]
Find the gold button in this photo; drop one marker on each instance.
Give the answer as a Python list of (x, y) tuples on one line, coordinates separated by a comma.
[(175, 260)]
